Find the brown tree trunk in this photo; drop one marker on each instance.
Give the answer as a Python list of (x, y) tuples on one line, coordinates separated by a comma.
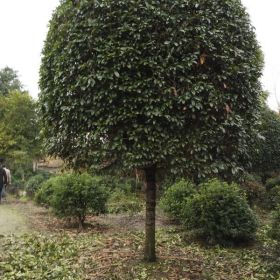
[(149, 250)]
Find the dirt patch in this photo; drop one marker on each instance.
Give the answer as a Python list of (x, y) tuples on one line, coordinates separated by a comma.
[(129, 222), (25, 217), (18, 217), (12, 221)]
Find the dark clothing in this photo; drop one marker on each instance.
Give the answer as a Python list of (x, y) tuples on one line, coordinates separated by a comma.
[(3, 177), (3, 180)]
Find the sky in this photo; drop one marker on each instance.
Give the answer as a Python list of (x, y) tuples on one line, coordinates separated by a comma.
[(266, 20), (23, 29), (24, 25)]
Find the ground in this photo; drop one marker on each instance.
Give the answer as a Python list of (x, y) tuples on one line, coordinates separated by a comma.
[(111, 248), (19, 218), (12, 221)]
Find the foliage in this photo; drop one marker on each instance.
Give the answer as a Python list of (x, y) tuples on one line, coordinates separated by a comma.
[(174, 198), (76, 195), (9, 81), (19, 178), (220, 214), (275, 227), (266, 153), (114, 183), (40, 257), (34, 183), (273, 198), (272, 182), (255, 192), (136, 185), (170, 84), (149, 85), (23, 130), (270, 246), (116, 256), (44, 194), (20, 162), (15, 188), (166, 180), (19, 131), (121, 202), (252, 177)]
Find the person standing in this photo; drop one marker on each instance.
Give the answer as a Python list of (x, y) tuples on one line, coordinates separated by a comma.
[(9, 180), (3, 179)]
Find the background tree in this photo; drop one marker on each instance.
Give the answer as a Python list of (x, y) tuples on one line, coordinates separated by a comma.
[(265, 151), (19, 130), (151, 85), (9, 81)]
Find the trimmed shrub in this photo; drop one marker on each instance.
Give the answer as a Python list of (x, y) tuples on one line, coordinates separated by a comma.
[(121, 202), (76, 195), (175, 197), (220, 214), (34, 183), (44, 194)]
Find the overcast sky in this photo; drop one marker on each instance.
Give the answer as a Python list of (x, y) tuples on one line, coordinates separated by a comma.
[(23, 27)]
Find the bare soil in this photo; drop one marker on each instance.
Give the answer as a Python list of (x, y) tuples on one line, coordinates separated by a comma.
[(12, 220), (22, 217)]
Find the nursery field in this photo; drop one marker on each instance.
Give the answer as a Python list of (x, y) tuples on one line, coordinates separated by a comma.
[(110, 247), (151, 152)]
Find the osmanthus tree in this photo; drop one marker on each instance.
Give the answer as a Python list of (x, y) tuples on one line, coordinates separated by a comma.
[(151, 84)]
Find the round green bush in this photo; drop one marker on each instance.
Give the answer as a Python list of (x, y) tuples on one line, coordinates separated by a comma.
[(220, 214), (76, 195), (175, 197), (44, 194), (34, 183)]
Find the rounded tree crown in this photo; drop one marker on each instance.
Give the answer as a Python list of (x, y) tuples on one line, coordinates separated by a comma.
[(146, 83)]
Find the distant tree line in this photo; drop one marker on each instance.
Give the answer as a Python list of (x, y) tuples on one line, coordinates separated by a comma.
[(19, 129)]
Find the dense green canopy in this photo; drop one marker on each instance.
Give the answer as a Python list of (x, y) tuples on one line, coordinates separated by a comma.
[(140, 83), (19, 130), (266, 151)]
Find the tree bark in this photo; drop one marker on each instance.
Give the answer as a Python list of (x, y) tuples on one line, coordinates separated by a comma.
[(149, 250)]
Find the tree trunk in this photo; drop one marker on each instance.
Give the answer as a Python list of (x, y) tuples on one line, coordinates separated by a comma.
[(149, 250)]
